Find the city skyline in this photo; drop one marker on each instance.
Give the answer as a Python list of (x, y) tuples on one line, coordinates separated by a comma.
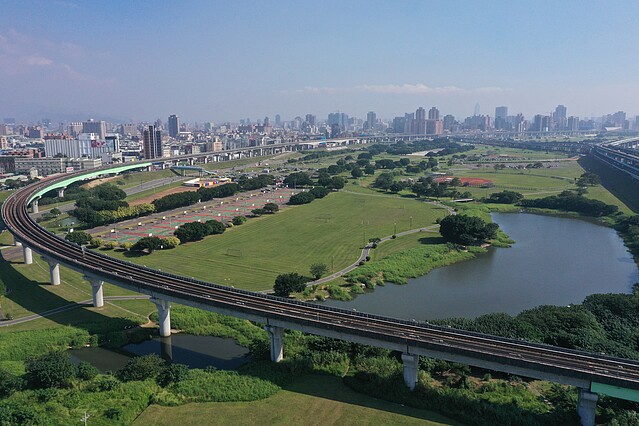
[(218, 62)]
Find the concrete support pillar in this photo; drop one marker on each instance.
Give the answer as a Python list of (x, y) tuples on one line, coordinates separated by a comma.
[(27, 254), (61, 192), (164, 316), (586, 406), (54, 271), (411, 366), (276, 335), (96, 290), (34, 206)]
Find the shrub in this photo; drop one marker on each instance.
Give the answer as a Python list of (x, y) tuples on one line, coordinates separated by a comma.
[(96, 242), (193, 231), (142, 368), (170, 242), (86, 371), (51, 370), (149, 244), (238, 220), (214, 227), (173, 373), (285, 284)]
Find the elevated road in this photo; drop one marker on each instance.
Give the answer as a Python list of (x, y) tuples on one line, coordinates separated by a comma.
[(590, 372)]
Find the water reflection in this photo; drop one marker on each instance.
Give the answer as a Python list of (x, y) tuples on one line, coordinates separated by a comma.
[(194, 351)]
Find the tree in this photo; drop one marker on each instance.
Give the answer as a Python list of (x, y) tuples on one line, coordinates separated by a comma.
[(455, 182), (369, 169), (301, 198), (238, 220), (285, 284), (505, 197), (213, 227), (271, 207), (192, 231), (79, 237), (150, 244), (318, 269), (383, 181), (337, 182), (357, 173), (55, 212), (53, 370), (467, 230), (298, 179), (320, 192)]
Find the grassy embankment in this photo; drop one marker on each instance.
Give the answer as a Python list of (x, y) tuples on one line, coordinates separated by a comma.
[(331, 231)]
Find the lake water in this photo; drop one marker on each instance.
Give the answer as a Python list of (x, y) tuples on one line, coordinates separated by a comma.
[(555, 261), (194, 351)]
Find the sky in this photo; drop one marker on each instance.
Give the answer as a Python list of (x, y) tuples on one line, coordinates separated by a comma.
[(227, 60)]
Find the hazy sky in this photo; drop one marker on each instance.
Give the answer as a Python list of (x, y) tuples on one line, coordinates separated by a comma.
[(226, 60)]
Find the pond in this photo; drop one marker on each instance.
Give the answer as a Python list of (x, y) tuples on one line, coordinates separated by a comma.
[(194, 351), (555, 261)]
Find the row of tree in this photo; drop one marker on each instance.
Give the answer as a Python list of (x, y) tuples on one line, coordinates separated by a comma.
[(195, 231), (569, 201)]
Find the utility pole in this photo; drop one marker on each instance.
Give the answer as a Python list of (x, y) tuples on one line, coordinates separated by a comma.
[(85, 418)]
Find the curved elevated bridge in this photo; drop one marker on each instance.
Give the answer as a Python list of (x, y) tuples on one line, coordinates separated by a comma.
[(591, 373)]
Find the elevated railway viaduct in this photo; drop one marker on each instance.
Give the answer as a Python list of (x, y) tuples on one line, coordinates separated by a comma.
[(591, 373)]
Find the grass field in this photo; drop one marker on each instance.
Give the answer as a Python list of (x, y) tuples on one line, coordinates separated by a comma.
[(311, 400), (331, 231)]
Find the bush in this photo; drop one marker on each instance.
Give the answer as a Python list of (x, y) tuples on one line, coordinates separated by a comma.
[(214, 227), (86, 371), (96, 243), (173, 373), (271, 207), (51, 370), (238, 220), (505, 197), (142, 368), (149, 244), (170, 242)]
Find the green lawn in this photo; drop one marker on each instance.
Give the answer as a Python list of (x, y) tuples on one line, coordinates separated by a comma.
[(330, 230), (311, 400)]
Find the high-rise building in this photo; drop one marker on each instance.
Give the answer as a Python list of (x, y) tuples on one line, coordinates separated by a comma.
[(4, 143), (371, 120), (278, 120), (449, 122), (339, 118), (501, 117), (311, 119), (399, 124), (409, 123), (152, 143), (433, 113), (97, 127), (419, 127), (75, 128), (434, 127), (477, 110), (573, 124), (174, 126)]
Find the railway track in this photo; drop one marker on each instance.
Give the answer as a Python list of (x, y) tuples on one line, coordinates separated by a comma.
[(415, 337)]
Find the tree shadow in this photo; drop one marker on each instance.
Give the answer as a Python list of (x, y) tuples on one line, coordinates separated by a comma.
[(432, 240)]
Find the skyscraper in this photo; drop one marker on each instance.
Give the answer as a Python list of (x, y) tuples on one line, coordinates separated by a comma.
[(278, 120), (501, 112), (433, 113), (477, 110), (420, 121), (371, 120), (311, 119), (174, 126), (152, 143)]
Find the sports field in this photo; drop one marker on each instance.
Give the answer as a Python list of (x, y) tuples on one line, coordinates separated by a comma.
[(330, 231)]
